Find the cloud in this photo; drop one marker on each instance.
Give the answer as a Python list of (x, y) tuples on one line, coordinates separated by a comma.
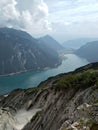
[(35, 20), (6, 2), (73, 18), (32, 18), (8, 12), (62, 18)]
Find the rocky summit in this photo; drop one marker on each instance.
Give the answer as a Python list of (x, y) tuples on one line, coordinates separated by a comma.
[(64, 102)]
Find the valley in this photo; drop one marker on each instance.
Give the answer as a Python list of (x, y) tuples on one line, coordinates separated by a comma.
[(33, 78)]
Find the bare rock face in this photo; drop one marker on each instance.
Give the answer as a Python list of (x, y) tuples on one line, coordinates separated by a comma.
[(65, 102), (83, 118), (16, 121), (67, 113), (7, 121)]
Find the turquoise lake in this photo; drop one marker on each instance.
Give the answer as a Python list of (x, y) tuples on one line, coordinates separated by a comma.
[(33, 78)]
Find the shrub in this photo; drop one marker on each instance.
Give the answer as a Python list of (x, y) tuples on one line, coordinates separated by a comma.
[(36, 115), (82, 80)]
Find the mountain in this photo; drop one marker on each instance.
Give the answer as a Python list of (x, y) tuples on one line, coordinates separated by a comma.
[(89, 51), (20, 52), (64, 102), (77, 43), (48, 42)]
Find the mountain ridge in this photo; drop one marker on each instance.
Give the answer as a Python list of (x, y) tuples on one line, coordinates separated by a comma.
[(67, 101), (20, 52), (51, 43), (89, 51)]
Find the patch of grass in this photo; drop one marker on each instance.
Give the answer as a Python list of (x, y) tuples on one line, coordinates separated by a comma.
[(94, 96), (82, 123), (90, 122), (36, 115), (94, 127), (33, 90)]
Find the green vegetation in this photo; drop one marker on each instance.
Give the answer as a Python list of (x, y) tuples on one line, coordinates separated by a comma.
[(31, 90), (35, 89), (79, 80), (90, 122), (36, 115), (94, 127)]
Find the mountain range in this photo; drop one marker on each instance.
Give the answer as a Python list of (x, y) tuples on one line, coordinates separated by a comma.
[(89, 51), (68, 101), (19, 51)]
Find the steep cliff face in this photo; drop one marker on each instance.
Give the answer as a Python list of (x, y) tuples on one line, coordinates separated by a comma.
[(65, 102), (20, 52)]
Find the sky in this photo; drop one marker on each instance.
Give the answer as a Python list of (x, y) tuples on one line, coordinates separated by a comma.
[(62, 19)]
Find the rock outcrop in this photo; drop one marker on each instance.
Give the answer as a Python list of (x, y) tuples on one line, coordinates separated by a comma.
[(65, 102)]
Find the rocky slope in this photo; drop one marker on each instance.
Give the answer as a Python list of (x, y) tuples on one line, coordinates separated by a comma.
[(65, 102), (89, 51), (20, 52)]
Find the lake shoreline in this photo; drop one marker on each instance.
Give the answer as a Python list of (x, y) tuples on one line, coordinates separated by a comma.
[(20, 72), (30, 79)]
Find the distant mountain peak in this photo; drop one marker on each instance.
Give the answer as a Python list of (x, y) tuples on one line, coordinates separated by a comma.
[(48, 36), (77, 43), (89, 51), (50, 42)]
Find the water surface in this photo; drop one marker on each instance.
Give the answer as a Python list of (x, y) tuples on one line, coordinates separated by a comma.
[(33, 78)]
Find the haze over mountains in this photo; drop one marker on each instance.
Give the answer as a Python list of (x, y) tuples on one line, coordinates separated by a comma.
[(50, 43), (89, 51), (21, 52), (77, 43)]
